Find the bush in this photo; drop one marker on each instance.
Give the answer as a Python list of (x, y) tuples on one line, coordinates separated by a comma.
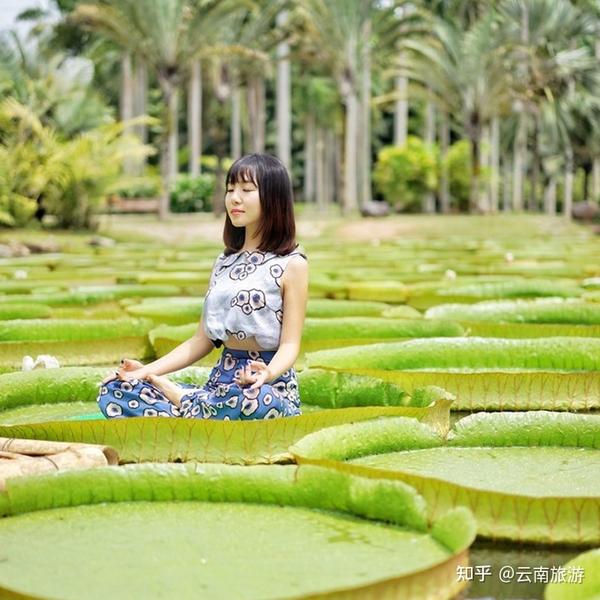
[(404, 174), (142, 187), (72, 176), (193, 194), (208, 163), (16, 210), (458, 165)]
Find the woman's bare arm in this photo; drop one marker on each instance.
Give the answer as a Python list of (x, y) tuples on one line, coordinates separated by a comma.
[(295, 295), (187, 353)]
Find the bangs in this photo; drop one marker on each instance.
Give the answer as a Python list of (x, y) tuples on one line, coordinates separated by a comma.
[(242, 173)]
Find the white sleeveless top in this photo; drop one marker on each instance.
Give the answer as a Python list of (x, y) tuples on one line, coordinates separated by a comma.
[(244, 297)]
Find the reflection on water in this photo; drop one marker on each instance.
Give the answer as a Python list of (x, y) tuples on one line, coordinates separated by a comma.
[(528, 562)]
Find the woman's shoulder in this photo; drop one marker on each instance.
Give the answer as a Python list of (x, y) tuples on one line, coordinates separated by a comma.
[(296, 253)]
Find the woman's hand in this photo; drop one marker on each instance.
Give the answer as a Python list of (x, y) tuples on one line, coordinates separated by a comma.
[(256, 373), (129, 369)]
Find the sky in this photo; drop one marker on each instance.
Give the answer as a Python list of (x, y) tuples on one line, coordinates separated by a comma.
[(9, 9)]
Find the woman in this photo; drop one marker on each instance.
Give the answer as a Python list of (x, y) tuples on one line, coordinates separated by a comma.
[(255, 307)]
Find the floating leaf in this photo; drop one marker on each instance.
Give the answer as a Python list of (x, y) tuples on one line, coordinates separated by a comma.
[(72, 329), (501, 390), (132, 511), (24, 311), (528, 483), (581, 579), (553, 310), (569, 354), (143, 439)]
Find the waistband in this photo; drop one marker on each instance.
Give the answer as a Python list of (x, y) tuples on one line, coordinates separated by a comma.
[(266, 355)]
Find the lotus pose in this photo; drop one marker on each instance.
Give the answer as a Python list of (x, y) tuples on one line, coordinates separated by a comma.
[(254, 307)]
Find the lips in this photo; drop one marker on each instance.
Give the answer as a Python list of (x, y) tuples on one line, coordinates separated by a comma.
[(237, 212)]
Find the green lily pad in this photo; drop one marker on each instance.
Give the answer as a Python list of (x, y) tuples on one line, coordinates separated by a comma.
[(72, 329), (565, 354), (143, 439), (342, 534), (24, 311), (535, 480), (515, 289), (552, 310), (501, 390), (579, 579)]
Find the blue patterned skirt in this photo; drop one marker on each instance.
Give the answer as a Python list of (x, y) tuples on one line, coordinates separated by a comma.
[(219, 398)]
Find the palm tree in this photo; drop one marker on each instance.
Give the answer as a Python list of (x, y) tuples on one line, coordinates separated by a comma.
[(463, 73), (336, 25), (57, 88), (547, 53), (283, 112), (168, 35), (346, 32)]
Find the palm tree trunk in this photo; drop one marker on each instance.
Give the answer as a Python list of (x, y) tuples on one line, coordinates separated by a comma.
[(309, 158), (256, 112), (428, 205), (126, 103), (350, 201), (283, 104), (236, 122), (339, 168), (550, 197), (140, 101), (568, 195), (483, 204), (444, 180), (401, 112), (330, 155), (595, 192), (507, 180), (596, 161), (364, 160), (520, 150), (173, 135), (195, 117), (520, 142), (474, 194), (168, 155), (494, 164), (320, 167)]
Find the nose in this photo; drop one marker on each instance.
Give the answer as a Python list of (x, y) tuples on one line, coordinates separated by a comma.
[(234, 195)]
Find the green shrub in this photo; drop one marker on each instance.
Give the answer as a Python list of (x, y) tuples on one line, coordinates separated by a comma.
[(72, 177), (193, 194), (458, 165), (142, 187), (208, 163), (16, 210), (404, 174)]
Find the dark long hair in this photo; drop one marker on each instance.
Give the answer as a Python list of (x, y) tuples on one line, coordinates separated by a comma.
[(277, 227)]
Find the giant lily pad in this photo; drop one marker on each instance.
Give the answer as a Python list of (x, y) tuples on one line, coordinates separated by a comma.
[(24, 311), (549, 310), (510, 389), (328, 532), (146, 439), (578, 579), (72, 329), (537, 479), (569, 354), (56, 394)]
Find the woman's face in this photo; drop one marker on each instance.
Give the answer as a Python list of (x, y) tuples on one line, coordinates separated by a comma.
[(242, 202)]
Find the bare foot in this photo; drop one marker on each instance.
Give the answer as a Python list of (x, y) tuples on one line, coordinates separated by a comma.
[(172, 392)]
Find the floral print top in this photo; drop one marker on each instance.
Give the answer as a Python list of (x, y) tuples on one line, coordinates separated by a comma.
[(244, 297)]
